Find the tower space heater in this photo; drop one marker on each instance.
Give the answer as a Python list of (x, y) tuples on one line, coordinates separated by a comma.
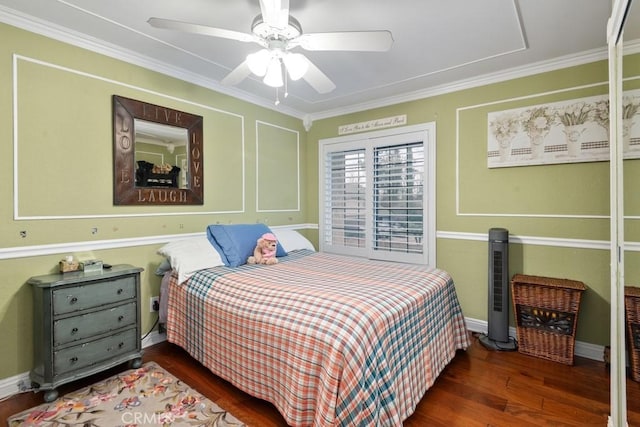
[(497, 337)]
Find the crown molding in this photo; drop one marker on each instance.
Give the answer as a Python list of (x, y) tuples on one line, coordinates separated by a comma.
[(593, 55), (65, 35), (48, 29)]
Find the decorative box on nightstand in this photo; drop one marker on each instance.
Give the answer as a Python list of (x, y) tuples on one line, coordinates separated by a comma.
[(84, 322)]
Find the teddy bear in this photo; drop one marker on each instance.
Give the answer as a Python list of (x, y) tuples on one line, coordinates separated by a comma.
[(265, 251)]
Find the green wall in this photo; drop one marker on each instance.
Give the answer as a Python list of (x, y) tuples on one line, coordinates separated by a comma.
[(64, 174), (555, 212), (261, 165)]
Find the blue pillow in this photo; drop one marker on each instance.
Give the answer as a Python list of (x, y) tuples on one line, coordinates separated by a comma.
[(236, 242)]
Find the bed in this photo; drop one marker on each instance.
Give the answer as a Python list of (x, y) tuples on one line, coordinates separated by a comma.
[(329, 340)]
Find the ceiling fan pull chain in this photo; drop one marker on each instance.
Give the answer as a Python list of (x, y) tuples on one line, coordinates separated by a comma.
[(286, 83), (277, 97)]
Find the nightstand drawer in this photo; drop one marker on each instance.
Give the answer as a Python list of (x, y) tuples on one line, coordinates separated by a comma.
[(94, 352), (92, 324), (68, 300)]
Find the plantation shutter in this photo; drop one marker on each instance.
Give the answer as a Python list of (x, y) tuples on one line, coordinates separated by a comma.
[(377, 198), (398, 199), (345, 199)]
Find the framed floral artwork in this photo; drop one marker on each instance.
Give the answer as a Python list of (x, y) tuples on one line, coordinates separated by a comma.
[(561, 132)]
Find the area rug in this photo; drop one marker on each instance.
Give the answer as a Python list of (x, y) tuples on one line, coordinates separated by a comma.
[(148, 396)]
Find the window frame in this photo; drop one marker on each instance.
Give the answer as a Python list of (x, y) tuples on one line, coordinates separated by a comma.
[(426, 132)]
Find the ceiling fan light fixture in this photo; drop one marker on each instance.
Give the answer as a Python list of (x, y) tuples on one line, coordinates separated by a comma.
[(273, 77), (277, 32), (258, 62), (296, 65)]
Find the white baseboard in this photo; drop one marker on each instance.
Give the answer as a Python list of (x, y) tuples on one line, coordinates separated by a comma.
[(582, 349), (14, 385), (22, 383), (154, 337)]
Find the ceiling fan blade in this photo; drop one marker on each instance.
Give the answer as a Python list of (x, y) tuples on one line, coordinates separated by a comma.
[(317, 79), (187, 27), (275, 13), (369, 41), (237, 75)]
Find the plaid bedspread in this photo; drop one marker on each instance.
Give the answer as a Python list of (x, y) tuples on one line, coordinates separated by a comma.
[(329, 340)]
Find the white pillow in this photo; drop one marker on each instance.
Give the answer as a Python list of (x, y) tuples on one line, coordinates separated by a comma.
[(291, 240), (190, 255)]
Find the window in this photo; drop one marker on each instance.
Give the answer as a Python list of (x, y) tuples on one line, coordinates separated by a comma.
[(345, 197), (377, 195)]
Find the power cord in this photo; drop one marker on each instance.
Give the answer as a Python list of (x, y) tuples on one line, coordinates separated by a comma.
[(513, 347), (152, 327), (510, 345)]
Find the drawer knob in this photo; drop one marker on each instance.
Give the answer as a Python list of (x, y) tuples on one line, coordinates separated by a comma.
[(73, 359), (74, 331), (120, 291), (73, 300), (119, 346), (120, 318)]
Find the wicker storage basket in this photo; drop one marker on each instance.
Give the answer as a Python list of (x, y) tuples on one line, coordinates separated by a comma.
[(632, 311), (546, 311)]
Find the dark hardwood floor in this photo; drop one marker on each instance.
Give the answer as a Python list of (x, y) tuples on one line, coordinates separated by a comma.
[(478, 388)]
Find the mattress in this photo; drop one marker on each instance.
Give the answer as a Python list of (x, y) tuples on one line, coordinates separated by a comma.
[(330, 340)]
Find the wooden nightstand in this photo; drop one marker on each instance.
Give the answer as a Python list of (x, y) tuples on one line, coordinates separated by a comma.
[(84, 323)]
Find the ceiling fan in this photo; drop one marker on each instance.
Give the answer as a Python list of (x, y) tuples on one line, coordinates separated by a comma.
[(278, 33)]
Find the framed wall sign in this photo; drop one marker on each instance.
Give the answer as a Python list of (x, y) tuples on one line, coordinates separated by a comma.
[(157, 155)]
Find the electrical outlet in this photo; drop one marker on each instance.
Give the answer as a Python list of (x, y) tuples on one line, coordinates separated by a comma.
[(154, 304)]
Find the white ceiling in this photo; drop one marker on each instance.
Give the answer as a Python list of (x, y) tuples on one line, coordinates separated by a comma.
[(438, 45)]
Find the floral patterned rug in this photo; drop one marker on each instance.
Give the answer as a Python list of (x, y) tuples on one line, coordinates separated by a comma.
[(148, 396)]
